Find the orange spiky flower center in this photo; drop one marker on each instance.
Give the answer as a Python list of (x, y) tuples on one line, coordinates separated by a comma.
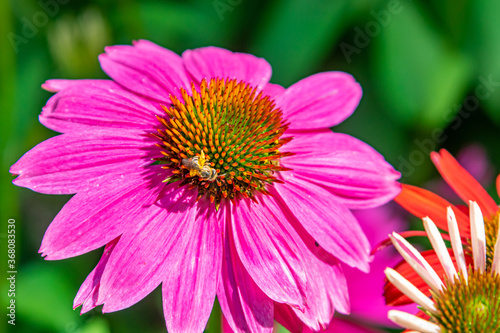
[(223, 139), (491, 232), (469, 306)]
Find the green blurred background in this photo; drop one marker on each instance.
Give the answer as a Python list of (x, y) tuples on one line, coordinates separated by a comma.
[(430, 71)]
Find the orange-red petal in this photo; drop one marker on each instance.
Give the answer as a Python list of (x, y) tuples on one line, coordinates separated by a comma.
[(422, 203), (466, 186)]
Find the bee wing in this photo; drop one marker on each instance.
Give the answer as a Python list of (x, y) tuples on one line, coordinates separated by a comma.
[(213, 174)]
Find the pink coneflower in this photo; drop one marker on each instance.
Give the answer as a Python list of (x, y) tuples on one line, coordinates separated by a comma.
[(467, 297), (198, 174)]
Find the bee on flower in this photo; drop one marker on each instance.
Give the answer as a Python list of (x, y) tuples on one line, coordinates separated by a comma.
[(198, 166)]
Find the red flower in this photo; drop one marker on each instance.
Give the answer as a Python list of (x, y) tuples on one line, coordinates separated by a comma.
[(423, 203)]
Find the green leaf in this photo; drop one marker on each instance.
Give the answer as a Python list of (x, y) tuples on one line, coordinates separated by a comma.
[(8, 195), (95, 325), (214, 324), (45, 298), (179, 26), (280, 329), (296, 35), (483, 42), (418, 75)]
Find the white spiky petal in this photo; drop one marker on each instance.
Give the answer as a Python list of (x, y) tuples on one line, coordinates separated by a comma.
[(456, 242), (440, 247), (478, 238), (417, 262), (413, 322), (409, 290)]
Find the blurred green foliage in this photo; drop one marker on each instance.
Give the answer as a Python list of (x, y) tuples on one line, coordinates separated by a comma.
[(430, 71)]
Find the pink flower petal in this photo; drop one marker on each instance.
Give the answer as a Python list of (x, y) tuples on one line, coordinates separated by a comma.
[(225, 328), (213, 62), (325, 284), (320, 101), (92, 219), (287, 318), (327, 220), (87, 104), (75, 162), (140, 260), (245, 307), (326, 288), (378, 223), (89, 290), (366, 290), (56, 85), (325, 141), (191, 273), (497, 183), (358, 179), (267, 248), (333, 284), (146, 69), (272, 90)]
